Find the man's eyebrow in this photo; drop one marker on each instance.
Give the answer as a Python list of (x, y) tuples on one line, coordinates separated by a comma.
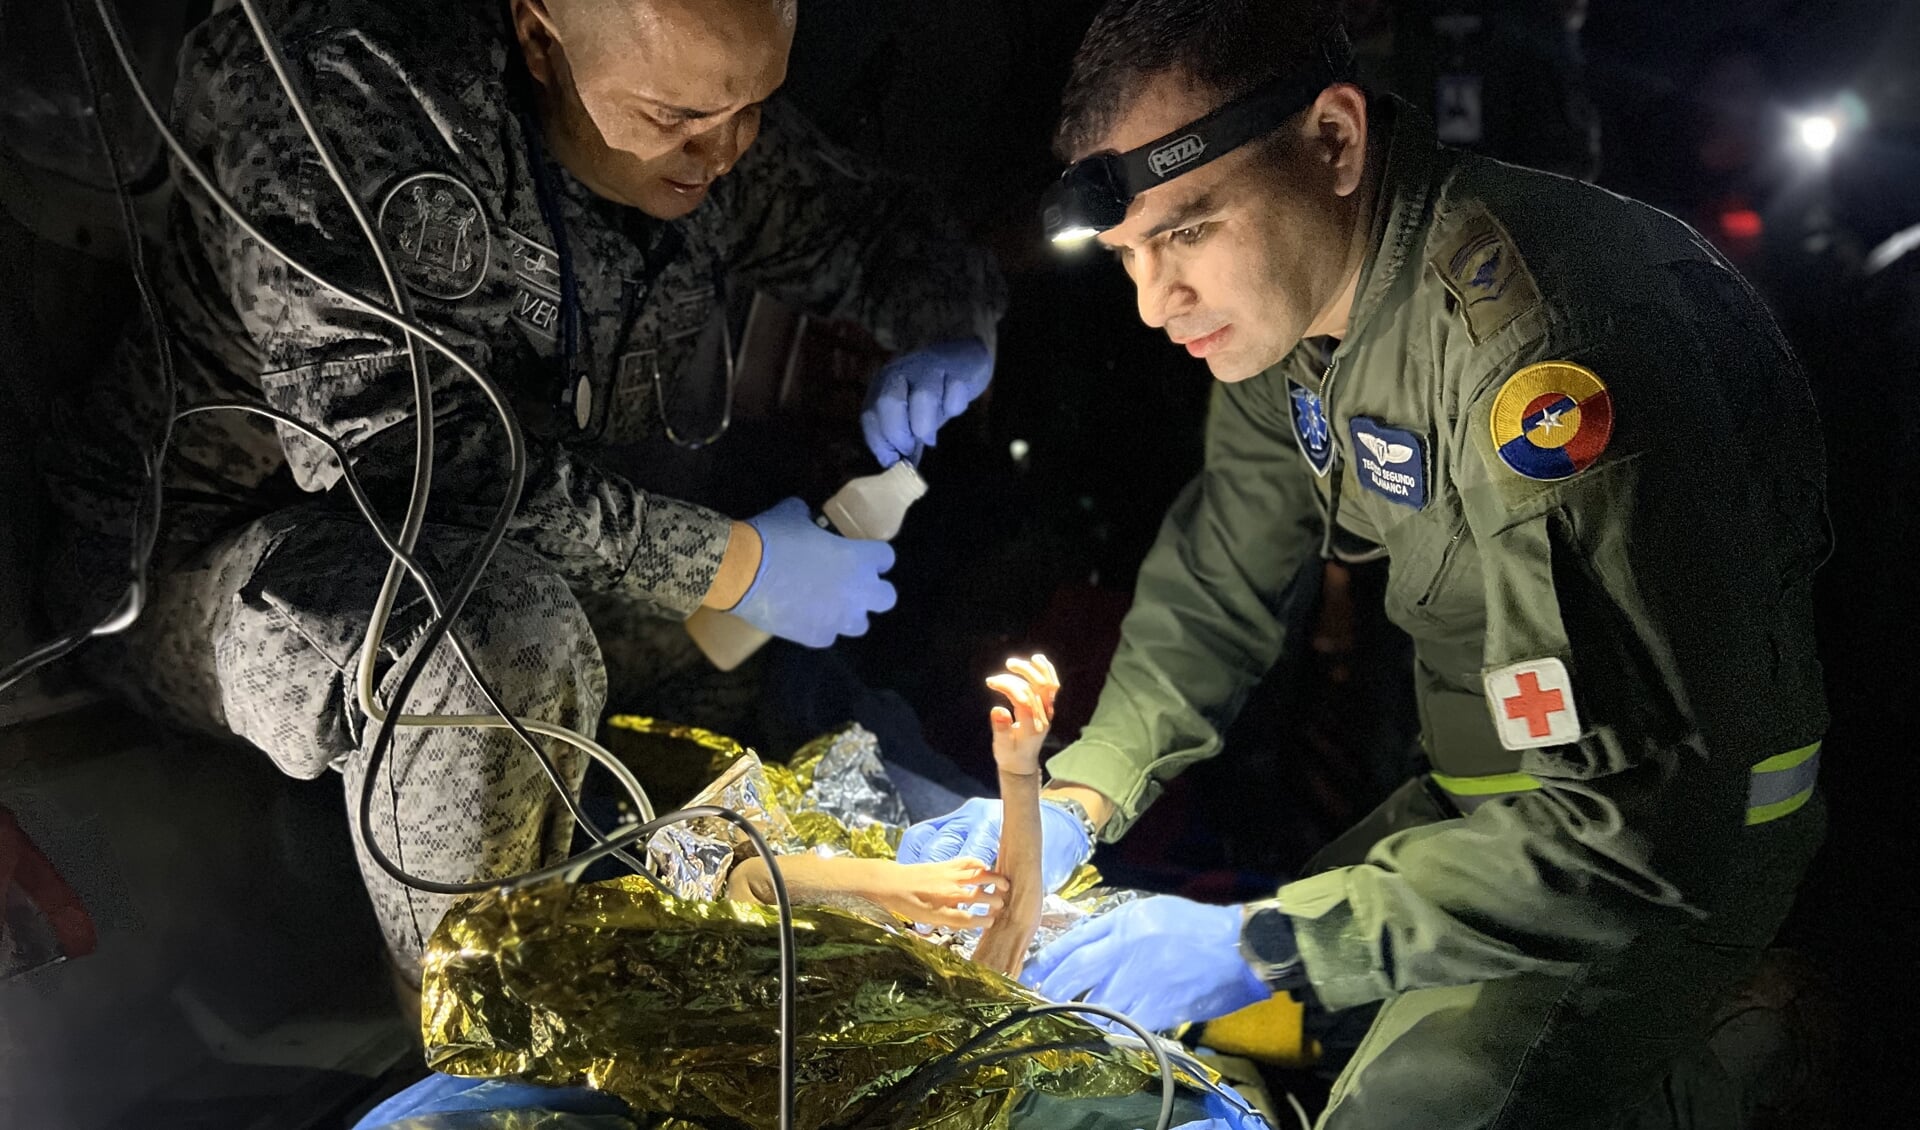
[(687, 112), (1182, 216)]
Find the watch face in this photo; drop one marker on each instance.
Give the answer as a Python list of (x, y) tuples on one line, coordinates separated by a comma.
[(1269, 935), (1266, 942)]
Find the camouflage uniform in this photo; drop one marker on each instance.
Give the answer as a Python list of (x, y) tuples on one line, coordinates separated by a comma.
[(266, 579)]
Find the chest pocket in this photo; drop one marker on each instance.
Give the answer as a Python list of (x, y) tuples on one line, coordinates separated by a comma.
[(674, 375), (1435, 588)]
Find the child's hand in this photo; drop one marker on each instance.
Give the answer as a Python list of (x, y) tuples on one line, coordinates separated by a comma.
[(1018, 732), (938, 894)]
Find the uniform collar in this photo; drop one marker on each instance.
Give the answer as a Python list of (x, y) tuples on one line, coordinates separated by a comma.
[(1403, 207)]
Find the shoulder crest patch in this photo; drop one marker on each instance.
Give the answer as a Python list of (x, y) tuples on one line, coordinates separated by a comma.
[(1310, 428), (1486, 276), (1550, 421), (439, 235)]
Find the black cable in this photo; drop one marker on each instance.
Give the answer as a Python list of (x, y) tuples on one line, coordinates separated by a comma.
[(365, 505), (783, 907), (446, 614), (423, 453), (146, 518), (953, 1068), (495, 532), (407, 324), (911, 1094), (50, 652)]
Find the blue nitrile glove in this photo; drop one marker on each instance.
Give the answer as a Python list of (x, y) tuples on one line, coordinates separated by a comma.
[(1225, 1115), (1163, 961), (1226, 1110), (450, 1095), (813, 585), (913, 395), (972, 831)]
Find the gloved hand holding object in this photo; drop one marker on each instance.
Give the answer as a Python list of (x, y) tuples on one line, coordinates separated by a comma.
[(1163, 961), (813, 585), (912, 396), (972, 831)]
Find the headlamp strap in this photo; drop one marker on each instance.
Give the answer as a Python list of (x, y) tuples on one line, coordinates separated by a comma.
[(1218, 133)]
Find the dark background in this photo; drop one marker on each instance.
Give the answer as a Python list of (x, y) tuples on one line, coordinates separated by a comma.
[(1694, 106), (1691, 106)]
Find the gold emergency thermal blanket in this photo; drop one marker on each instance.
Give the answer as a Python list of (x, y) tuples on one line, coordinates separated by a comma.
[(671, 1002)]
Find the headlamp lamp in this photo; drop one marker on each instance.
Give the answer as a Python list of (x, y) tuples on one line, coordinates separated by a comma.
[(1093, 194)]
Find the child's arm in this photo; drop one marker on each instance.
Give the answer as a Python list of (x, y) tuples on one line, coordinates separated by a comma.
[(1019, 729), (937, 894)]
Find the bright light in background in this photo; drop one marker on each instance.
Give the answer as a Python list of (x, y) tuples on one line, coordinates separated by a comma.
[(1818, 132), (1072, 236), (1018, 449)]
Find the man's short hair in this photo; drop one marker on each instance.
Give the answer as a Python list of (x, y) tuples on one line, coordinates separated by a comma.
[(599, 19), (1230, 47)]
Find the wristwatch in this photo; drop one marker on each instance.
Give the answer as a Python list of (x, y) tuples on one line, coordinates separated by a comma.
[(1267, 944), (1079, 812)]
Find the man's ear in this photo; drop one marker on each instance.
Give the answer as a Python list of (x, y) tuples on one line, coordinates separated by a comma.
[(1338, 122), (539, 42)]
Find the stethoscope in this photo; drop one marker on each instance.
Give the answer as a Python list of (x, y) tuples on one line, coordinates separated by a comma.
[(579, 391)]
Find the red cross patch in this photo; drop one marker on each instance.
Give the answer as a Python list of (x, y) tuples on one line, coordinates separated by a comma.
[(1533, 704)]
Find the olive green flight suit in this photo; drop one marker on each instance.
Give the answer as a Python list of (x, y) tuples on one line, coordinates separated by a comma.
[(1551, 925)]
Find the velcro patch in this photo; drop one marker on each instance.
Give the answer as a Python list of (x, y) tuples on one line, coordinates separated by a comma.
[(1532, 704), (1310, 428), (1486, 276), (1550, 421), (439, 235), (1390, 462), (533, 260), (685, 312), (536, 277)]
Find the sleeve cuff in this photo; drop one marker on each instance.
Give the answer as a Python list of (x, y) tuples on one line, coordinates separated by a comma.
[(1109, 771), (675, 557), (1338, 961)]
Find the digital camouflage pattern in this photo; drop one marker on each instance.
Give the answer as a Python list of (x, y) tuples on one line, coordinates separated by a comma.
[(261, 590)]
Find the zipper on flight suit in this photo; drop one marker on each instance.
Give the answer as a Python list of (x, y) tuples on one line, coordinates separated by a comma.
[(1331, 507), (1330, 512), (1446, 559)]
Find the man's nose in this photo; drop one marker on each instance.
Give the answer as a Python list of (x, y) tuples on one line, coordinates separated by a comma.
[(1161, 292), (717, 149)]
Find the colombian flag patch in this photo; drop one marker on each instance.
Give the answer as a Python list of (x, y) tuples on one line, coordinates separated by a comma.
[(1552, 420)]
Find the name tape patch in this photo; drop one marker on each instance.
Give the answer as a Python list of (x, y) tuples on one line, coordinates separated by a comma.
[(1390, 462), (536, 276)]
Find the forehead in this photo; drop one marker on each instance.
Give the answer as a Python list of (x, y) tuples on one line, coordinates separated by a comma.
[(1160, 106), (706, 55)]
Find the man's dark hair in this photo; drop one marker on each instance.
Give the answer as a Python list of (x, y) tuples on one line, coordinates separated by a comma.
[(1230, 47)]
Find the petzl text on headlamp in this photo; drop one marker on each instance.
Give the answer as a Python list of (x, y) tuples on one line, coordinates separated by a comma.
[(1093, 194)]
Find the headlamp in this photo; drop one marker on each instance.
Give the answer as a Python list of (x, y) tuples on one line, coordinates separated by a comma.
[(1093, 194)]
